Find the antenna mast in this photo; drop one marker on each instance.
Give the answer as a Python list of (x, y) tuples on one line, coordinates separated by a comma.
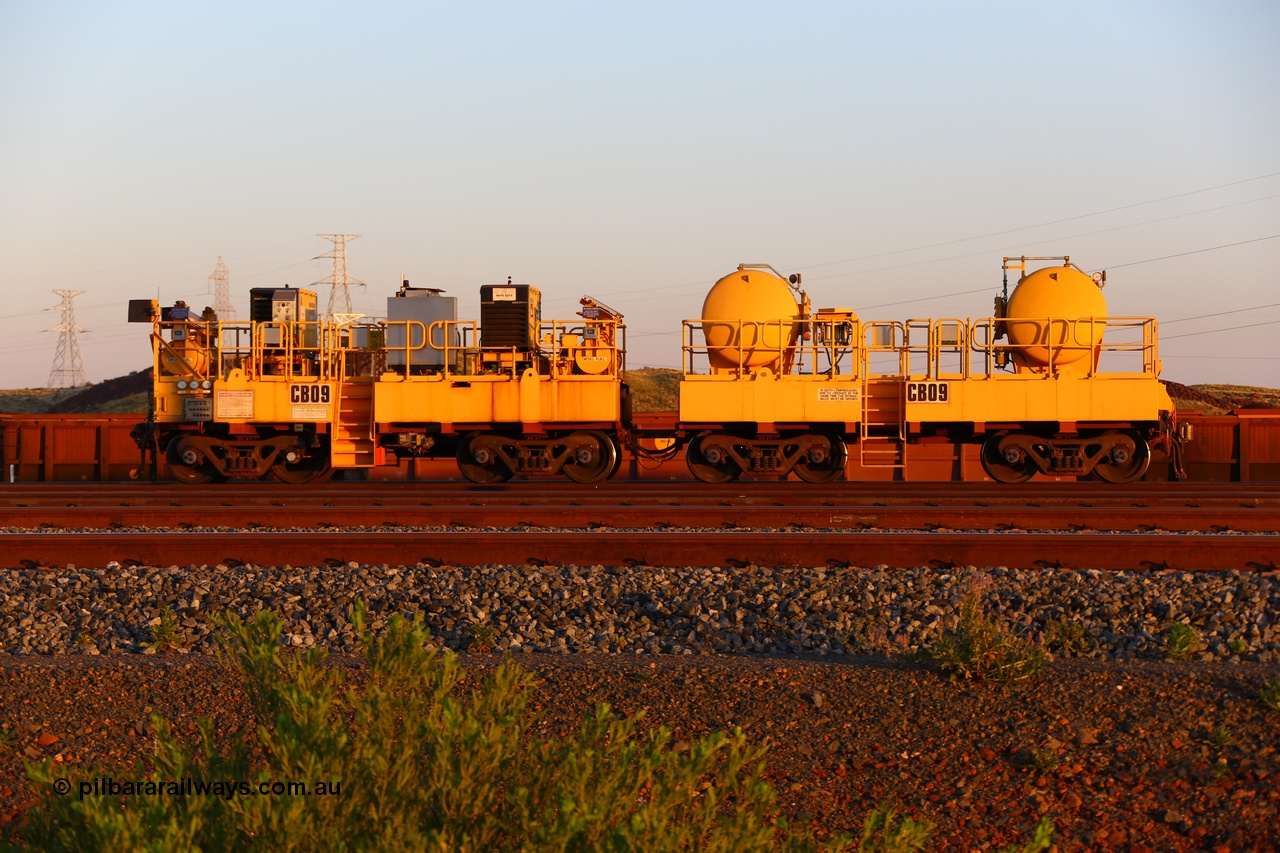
[(68, 368), (220, 285), (340, 282)]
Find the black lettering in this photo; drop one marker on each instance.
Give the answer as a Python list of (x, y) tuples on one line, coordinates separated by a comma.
[(933, 393), (942, 392), (324, 394), (911, 392), (294, 391)]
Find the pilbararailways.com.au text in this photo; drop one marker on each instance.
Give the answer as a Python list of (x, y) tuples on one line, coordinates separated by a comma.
[(107, 786)]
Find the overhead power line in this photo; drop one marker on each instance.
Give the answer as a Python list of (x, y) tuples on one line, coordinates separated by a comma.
[(1192, 252), (1215, 331), (1043, 224)]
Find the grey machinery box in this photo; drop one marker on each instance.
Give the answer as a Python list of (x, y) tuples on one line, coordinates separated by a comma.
[(426, 306)]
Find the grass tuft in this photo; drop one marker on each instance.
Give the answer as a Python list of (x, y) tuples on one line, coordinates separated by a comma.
[(1065, 636)]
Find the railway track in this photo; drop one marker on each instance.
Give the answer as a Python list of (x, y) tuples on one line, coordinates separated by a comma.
[(1173, 526)]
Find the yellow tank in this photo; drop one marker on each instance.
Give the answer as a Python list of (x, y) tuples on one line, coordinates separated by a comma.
[(749, 319), (1064, 315)]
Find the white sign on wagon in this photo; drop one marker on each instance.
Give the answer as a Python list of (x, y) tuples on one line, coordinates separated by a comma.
[(233, 404)]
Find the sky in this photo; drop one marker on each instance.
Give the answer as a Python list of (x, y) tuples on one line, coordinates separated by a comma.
[(891, 153)]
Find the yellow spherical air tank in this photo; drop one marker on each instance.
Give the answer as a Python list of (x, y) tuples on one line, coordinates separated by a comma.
[(749, 319), (1056, 318)]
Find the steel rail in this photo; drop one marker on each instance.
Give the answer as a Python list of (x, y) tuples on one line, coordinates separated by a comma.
[(1119, 551), (563, 515), (654, 492)]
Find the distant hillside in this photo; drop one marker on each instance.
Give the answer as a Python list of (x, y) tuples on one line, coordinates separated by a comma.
[(32, 401), (1222, 399), (654, 389), (122, 395)]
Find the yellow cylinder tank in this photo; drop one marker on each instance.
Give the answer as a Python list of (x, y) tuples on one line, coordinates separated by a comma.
[(1056, 316), (749, 320)]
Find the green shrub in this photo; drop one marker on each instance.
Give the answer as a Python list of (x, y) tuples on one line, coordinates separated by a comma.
[(483, 638), (1269, 695), (983, 648), (1181, 642), (165, 634), (411, 766)]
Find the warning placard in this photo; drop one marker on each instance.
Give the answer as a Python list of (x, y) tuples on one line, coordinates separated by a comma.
[(233, 404)]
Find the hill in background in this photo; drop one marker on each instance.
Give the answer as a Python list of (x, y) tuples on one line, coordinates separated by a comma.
[(1221, 399), (122, 395), (653, 389)]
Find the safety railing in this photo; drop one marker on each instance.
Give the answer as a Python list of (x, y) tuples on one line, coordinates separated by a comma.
[(822, 348), (951, 348), (583, 349)]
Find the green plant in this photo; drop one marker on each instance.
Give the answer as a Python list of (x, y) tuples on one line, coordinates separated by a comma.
[(1181, 641), (165, 634), (984, 648), (1065, 635), (483, 638), (1238, 646), (850, 639), (6, 738), (1041, 761), (1041, 840), (1269, 695), (1220, 739), (884, 832), (412, 762)]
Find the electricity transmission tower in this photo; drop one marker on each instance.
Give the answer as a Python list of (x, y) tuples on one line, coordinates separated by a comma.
[(340, 282), (68, 368), (218, 282)]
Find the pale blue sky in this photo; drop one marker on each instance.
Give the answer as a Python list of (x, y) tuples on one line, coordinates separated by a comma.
[(637, 153)]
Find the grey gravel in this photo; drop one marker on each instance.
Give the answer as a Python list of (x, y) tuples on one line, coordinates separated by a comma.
[(641, 610)]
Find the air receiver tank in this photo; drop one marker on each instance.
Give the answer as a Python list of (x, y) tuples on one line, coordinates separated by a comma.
[(750, 320), (1056, 319)]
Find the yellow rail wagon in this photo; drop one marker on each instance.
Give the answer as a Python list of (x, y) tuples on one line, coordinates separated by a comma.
[(769, 386), (1051, 384), (296, 396)]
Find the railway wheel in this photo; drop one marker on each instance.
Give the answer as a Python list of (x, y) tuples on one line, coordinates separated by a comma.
[(302, 469), (1007, 465), (711, 465), (188, 464), (821, 465), (480, 464), (1127, 461), (594, 458)]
